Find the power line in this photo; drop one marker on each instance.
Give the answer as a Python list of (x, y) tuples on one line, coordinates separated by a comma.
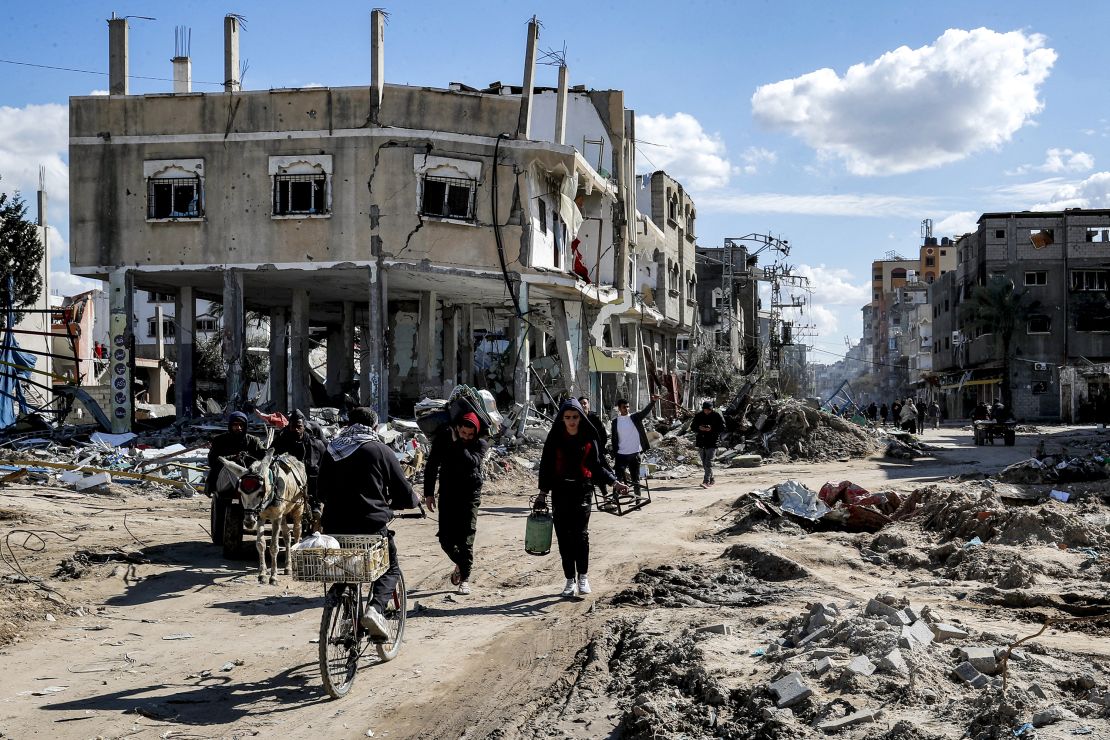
[(855, 359), (103, 74)]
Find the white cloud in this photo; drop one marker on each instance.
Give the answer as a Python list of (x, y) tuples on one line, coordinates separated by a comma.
[(834, 286), (32, 136), (754, 157), (1094, 192), (1011, 197), (1059, 160), (957, 224), (841, 204), (61, 280), (98, 92), (912, 109), (679, 145)]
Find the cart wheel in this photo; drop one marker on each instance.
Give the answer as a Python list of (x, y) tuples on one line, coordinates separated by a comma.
[(396, 611), (339, 641), (232, 531), (216, 516)]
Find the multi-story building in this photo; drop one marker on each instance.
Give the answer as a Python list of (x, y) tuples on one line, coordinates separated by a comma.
[(1058, 262), (734, 327), (420, 219)]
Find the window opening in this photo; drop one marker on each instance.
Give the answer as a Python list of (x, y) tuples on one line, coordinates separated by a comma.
[(1088, 279), (1038, 325), (1036, 278), (300, 194), (448, 197), (173, 197)]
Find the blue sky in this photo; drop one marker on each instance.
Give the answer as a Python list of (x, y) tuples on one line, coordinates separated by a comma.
[(839, 130)]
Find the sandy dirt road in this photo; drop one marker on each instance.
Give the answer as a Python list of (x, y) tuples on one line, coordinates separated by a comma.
[(242, 661)]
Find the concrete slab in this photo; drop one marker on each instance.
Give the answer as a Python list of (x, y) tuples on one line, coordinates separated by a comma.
[(861, 665), (943, 632), (981, 658), (720, 629), (816, 634), (893, 662), (967, 673), (789, 690), (821, 667), (858, 718), (915, 636), (876, 608)]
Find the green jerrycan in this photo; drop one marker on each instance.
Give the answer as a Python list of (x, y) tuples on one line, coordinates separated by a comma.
[(537, 533)]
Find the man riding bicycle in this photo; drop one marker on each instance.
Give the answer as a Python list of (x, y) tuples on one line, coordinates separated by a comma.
[(361, 483)]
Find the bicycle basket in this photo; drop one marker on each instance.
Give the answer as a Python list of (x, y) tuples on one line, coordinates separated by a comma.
[(361, 558)]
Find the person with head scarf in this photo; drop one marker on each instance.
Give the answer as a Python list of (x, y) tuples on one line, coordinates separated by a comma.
[(456, 462), (569, 467), (908, 416), (232, 443), (361, 483)]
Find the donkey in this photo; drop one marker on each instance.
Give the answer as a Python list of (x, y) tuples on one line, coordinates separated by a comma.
[(271, 490)]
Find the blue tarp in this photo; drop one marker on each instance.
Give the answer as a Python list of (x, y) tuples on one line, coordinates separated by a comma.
[(11, 391)]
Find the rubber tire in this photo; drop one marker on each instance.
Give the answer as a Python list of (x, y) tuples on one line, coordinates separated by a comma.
[(232, 539), (338, 603), (396, 614), (216, 515)]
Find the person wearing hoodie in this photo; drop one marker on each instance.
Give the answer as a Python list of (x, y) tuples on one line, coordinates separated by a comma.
[(296, 441), (569, 467), (456, 461)]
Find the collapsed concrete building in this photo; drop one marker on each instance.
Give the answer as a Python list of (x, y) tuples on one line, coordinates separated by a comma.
[(415, 227)]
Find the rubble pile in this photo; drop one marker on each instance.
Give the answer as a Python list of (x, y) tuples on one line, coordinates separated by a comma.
[(1057, 469), (840, 505), (787, 429)]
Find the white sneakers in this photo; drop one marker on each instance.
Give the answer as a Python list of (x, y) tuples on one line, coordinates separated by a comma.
[(464, 588), (582, 584), (374, 622)]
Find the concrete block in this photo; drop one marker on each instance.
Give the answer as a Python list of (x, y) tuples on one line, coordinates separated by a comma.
[(943, 632), (861, 665), (789, 690), (981, 658), (821, 617), (968, 674), (1017, 655), (1036, 690), (816, 634), (821, 667), (876, 608), (92, 481), (828, 652), (1050, 715), (893, 662), (916, 636), (914, 612), (746, 461), (720, 629), (859, 718)]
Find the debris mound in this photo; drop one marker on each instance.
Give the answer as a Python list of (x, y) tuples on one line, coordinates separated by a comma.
[(792, 430)]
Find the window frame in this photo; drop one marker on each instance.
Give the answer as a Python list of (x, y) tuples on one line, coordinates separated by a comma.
[(174, 174), (1101, 281), (289, 169), (1036, 317), (1036, 281), (449, 184), (169, 327)]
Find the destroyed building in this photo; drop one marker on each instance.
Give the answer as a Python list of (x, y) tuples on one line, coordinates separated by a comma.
[(411, 227)]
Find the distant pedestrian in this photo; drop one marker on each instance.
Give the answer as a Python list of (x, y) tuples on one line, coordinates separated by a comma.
[(602, 437), (872, 412), (908, 416), (896, 413), (884, 412), (921, 409), (707, 425), (934, 411)]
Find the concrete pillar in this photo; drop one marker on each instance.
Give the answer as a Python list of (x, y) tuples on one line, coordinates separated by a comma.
[(452, 321), (234, 336), (561, 107), (522, 377), (375, 374), (335, 360), (120, 344), (524, 122), (185, 318), (466, 345), (300, 392), (425, 339), (232, 83), (565, 346), (159, 335), (182, 75), (365, 391), (279, 359), (377, 64), (347, 337), (117, 56), (538, 339)]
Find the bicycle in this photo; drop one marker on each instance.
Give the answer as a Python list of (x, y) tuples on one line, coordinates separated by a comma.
[(351, 570)]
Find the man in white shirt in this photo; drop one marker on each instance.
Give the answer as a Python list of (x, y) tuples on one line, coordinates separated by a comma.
[(629, 440)]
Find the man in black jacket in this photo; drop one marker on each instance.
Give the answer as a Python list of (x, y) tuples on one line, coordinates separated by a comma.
[(456, 461), (235, 441), (297, 442), (361, 483), (629, 440), (707, 425)]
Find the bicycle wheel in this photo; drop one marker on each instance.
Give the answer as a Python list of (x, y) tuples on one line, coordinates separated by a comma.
[(395, 613), (339, 648)]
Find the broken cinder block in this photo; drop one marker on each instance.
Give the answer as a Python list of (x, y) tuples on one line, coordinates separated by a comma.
[(893, 662), (858, 718), (915, 636), (789, 690), (981, 658), (968, 674), (942, 632), (861, 665), (812, 636), (896, 617), (721, 629)]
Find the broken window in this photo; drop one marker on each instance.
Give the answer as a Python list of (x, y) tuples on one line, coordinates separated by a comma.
[(448, 197), (1098, 235), (207, 325), (1036, 278), (297, 195), (155, 297), (543, 217), (167, 328), (1088, 279), (1038, 324), (173, 197), (1092, 321), (1041, 238)]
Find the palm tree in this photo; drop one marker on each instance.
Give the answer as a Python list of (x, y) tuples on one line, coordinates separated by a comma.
[(998, 309)]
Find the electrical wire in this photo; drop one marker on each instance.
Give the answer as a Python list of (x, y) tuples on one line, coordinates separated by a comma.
[(853, 359), (103, 74)]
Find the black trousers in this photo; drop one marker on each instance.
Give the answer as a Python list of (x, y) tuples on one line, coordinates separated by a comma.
[(458, 523), (383, 587), (570, 509), (628, 462)]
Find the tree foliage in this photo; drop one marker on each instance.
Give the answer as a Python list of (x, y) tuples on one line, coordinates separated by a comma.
[(715, 375), (21, 251), (210, 363), (998, 309)]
